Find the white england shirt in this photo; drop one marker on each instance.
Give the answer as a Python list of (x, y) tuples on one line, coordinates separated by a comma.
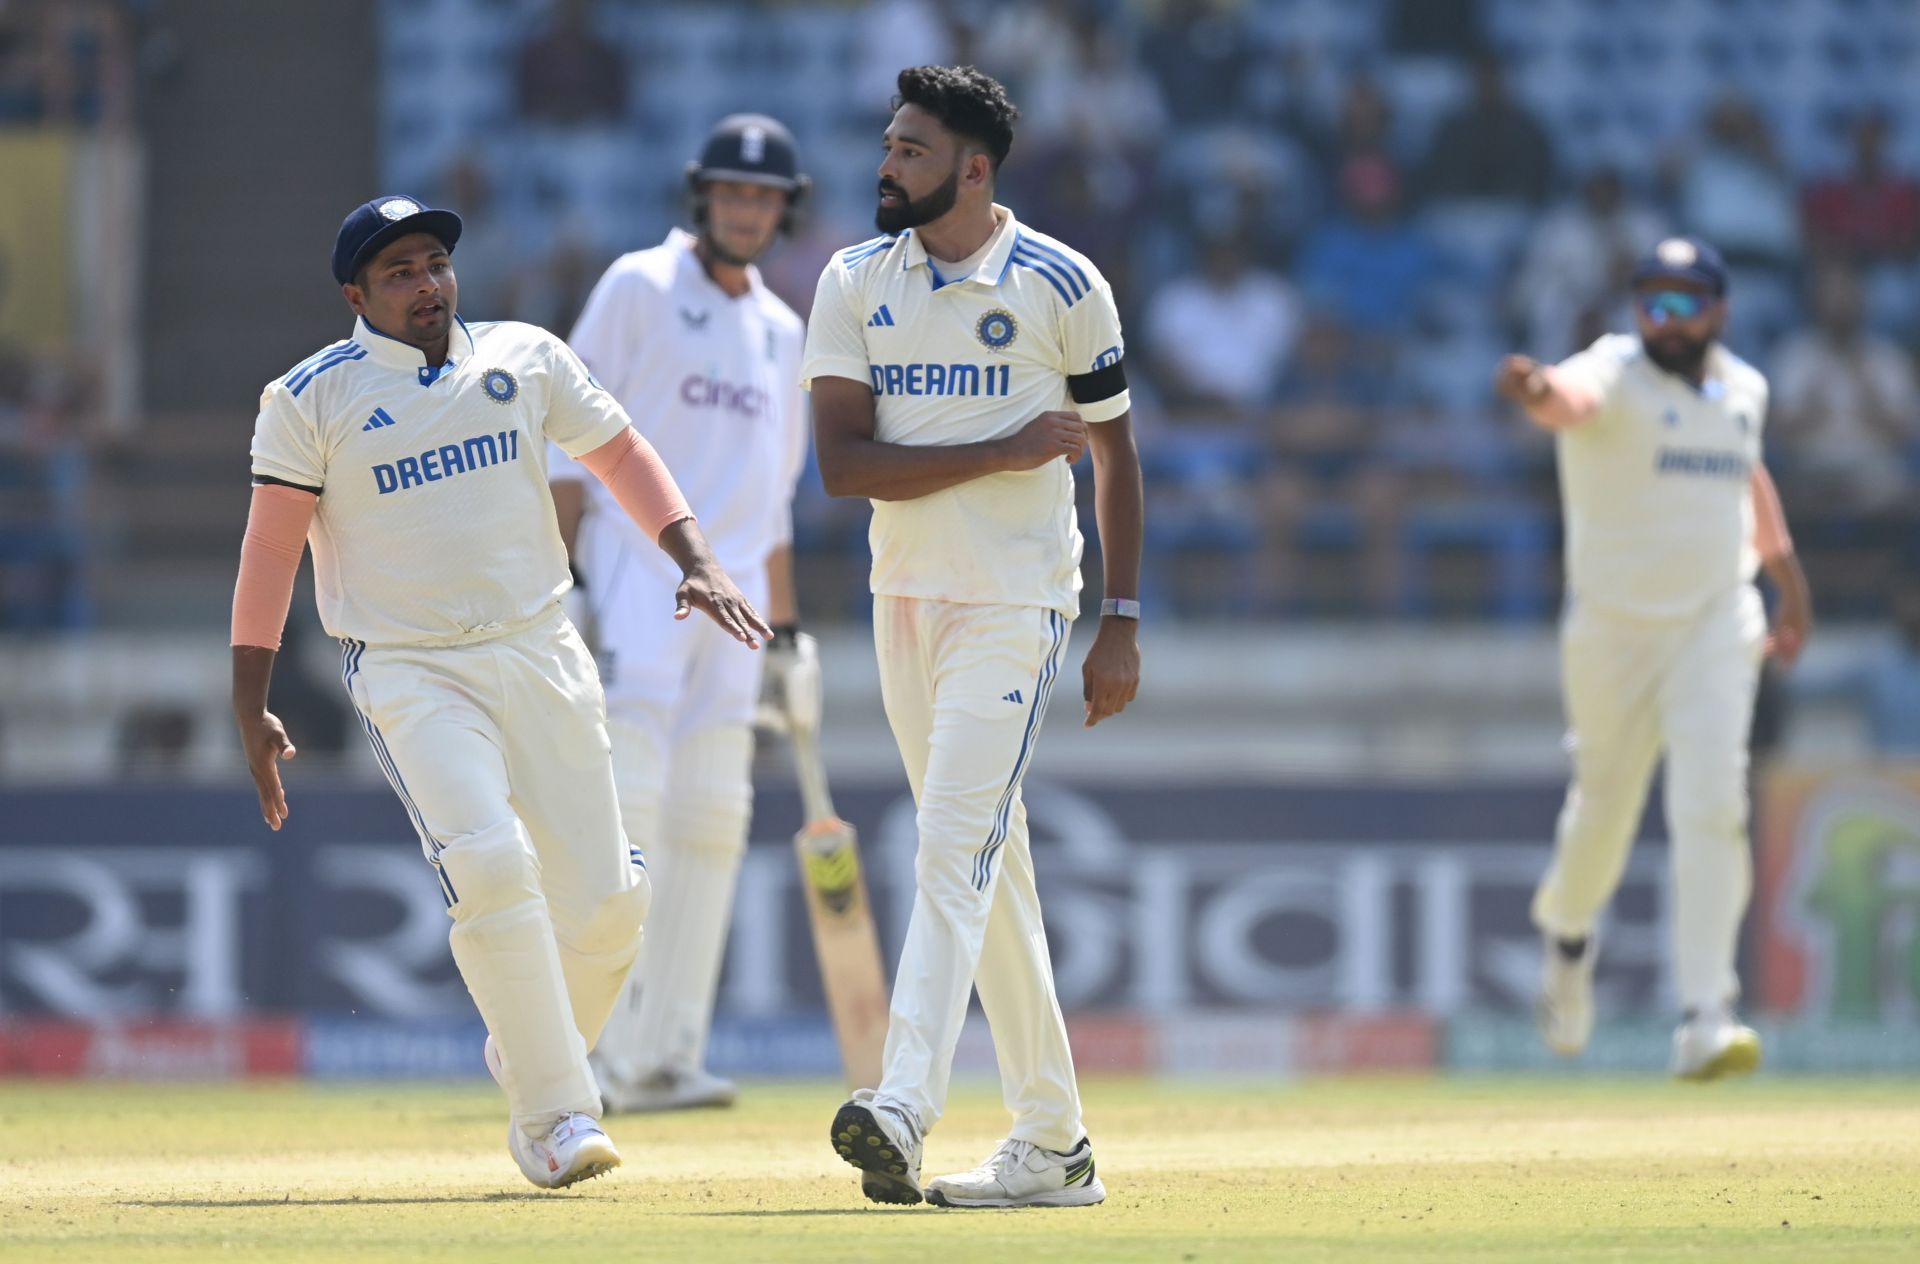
[(435, 524), (712, 381), (1656, 485), (966, 359)]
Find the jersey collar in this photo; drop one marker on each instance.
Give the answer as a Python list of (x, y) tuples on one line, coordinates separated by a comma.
[(992, 269), (389, 352)]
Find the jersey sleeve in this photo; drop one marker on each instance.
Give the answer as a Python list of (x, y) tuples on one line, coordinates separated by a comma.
[(608, 329), (799, 432), (1095, 354), (1597, 370), (835, 347), (286, 445), (581, 415)]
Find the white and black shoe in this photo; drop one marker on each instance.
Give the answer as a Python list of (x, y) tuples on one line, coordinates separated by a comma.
[(884, 1143), (1565, 1008), (1022, 1174), (667, 1089), (1714, 1045), (575, 1149)]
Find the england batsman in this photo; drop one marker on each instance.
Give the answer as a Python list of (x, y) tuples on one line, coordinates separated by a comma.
[(706, 359), (960, 363), (412, 458), (1669, 514)]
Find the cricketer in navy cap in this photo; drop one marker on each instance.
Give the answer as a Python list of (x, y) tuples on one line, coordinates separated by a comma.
[(371, 225), (1683, 258)]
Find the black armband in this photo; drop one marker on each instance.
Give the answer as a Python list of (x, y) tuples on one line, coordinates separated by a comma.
[(268, 480), (1102, 383), (786, 636)]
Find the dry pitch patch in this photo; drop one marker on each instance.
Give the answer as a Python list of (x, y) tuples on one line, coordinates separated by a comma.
[(1348, 1170)]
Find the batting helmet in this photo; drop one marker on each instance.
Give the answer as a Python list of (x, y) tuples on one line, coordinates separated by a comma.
[(754, 149)]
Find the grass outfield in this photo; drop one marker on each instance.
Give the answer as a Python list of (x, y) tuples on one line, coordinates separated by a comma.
[(1340, 1170)]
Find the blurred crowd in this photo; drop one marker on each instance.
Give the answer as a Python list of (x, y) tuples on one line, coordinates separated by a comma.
[(1324, 224), (1324, 220)]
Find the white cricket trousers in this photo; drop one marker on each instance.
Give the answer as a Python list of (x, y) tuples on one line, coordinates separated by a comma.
[(498, 749), (965, 688), (680, 702), (1633, 688)]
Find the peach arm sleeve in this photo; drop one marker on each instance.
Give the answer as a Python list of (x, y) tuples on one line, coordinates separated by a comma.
[(277, 523), (639, 481), (1565, 404), (1769, 519)]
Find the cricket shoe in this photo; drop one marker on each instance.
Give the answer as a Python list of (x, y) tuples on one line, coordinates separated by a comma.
[(667, 1089), (1565, 1008), (575, 1149), (884, 1143), (1022, 1174), (1713, 1045)]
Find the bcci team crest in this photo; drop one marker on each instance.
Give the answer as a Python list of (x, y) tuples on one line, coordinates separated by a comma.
[(500, 386), (399, 208), (997, 329)]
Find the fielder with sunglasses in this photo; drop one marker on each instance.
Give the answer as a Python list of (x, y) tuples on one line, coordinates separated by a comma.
[(1669, 514)]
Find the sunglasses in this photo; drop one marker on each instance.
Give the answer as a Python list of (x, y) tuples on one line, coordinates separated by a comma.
[(1661, 306)]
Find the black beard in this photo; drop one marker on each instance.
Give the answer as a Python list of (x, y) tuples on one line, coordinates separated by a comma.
[(912, 214), (720, 254), (1686, 363)]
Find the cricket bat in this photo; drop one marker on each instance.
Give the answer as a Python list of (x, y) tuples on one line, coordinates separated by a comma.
[(844, 937)]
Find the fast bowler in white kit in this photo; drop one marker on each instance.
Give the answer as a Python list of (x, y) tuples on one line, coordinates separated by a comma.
[(1669, 514), (706, 359), (412, 456), (959, 365)]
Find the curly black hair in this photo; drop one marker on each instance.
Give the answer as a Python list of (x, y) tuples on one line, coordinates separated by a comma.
[(968, 103)]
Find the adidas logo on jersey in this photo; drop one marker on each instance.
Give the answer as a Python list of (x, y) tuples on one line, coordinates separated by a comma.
[(881, 317), (381, 418), (1012, 697)]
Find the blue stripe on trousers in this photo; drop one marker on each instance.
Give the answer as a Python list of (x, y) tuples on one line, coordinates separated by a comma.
[(1003, 812)]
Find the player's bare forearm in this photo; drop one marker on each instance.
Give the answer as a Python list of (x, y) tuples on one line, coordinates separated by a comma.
[(1793, 615), (1119, 504), (1111, 674), (262, 737), (706, 586), (854, 463), (783, 603), (569, 507)]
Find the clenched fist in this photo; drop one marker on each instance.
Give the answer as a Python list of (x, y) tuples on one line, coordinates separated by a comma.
[(1051, 436)]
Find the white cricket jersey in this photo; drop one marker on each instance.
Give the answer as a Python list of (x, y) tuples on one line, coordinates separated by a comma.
[(712, 381), (435, 524), (966, 359), (1656, 485)]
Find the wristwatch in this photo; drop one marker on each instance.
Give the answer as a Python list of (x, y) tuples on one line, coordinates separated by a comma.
[(1123, 607)]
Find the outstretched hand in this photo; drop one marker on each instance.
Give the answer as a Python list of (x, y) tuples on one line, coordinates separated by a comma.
[(266, 742), (709, 589)]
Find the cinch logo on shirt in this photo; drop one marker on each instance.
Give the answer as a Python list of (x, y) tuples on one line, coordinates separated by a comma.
[(711, 392), (1701, 463), (447, 460), (940, 379)]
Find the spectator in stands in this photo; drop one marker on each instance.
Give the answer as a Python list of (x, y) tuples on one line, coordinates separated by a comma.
[(1846, 409), (1735, 191), (1367, 266), (1491, 148), (1871, 214), (1323, 483), (1577, 261), (569, 76), (1198, 51), (1220, 338), (1434, 28), (1364, 129)]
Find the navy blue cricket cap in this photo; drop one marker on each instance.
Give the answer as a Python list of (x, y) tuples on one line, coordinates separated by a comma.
[(371, 225), (1683, 258)]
